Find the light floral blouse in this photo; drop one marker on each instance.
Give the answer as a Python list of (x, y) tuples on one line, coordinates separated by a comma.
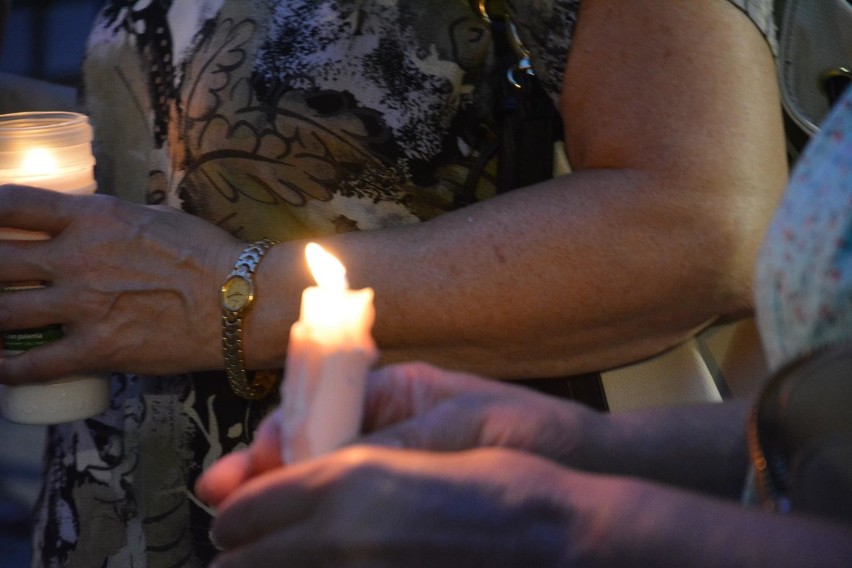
[(803, 289)]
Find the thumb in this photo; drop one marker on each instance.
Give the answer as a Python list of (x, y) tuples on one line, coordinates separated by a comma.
[(233, 470)]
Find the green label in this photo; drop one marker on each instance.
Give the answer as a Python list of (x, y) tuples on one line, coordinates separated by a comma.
[(26, 339)]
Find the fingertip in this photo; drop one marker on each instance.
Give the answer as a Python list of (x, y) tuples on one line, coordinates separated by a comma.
[(265, 450), (223, 477), (211, 534)]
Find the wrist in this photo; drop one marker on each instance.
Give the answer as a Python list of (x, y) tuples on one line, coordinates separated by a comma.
[(282, 277), (237, 294), (594, 434)]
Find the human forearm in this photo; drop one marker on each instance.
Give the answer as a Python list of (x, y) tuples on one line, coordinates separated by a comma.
[(422, 407), (654, 527), (585, 272), (497, 508), (654, 235), (577, 274), (707, 440)]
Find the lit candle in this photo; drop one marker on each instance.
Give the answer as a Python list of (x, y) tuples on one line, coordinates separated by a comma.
[(328, 356), (48, 150)]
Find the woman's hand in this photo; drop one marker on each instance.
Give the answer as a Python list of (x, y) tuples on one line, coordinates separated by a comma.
[(368, 506), (418, 406), (134, 287), (421, 407)]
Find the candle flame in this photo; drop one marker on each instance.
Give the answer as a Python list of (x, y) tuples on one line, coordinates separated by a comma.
[(327, 270), (39, 162)]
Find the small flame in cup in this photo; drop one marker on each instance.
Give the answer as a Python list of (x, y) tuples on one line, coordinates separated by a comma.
[(39, 162)]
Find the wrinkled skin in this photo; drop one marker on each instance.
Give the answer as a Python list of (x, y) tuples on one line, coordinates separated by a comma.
[(126, 281)]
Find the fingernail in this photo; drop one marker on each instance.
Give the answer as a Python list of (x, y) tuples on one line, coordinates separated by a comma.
[(215, 544)]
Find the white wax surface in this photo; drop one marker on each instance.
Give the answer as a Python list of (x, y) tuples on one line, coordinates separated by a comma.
[(329, 354)]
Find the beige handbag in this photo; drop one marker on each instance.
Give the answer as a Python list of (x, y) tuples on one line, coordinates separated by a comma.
[(815, 59)]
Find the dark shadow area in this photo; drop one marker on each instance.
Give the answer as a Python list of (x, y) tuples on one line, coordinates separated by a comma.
[(45, 39), (41, 39)]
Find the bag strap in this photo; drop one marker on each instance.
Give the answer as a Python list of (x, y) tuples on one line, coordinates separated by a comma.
[(527, 119), (528, 125)]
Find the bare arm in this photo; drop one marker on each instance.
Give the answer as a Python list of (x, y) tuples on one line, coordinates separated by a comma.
[(420, 407), (707, 440), (673, 127), (425, 408), (639, 524), (674, 131), (498, 508)]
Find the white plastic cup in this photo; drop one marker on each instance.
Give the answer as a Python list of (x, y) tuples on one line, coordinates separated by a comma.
[(53, 151)]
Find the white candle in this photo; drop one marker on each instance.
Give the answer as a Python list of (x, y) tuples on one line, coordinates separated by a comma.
[(328, 356), (48, 150)]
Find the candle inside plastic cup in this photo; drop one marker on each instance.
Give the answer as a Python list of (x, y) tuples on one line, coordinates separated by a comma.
[(52, 151)]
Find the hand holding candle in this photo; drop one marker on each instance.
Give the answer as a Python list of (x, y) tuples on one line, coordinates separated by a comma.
[(329, 354), (52, 151)]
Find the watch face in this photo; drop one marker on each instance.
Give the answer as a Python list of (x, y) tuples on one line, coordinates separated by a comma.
[(236, 293)]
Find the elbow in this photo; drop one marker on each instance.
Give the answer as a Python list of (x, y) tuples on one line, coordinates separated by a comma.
[(725, 233)]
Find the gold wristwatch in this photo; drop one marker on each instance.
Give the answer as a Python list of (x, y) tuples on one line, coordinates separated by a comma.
[(237, 295)]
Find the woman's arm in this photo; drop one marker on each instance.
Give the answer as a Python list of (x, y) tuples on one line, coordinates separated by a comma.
[(673, 130), (419, 407), (381, 507)]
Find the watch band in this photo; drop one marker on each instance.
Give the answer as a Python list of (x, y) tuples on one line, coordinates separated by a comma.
[(237, 295)]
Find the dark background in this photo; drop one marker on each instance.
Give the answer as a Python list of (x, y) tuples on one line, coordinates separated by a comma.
[(43, 39)]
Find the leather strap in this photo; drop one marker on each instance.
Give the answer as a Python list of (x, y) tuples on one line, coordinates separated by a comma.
[(529, 125)]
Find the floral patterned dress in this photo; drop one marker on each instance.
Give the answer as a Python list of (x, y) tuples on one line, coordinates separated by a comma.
[(804, 271), (270, 118)]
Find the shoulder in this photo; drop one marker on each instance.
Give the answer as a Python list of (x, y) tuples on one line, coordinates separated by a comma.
[(547, 29), (762, 13)]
